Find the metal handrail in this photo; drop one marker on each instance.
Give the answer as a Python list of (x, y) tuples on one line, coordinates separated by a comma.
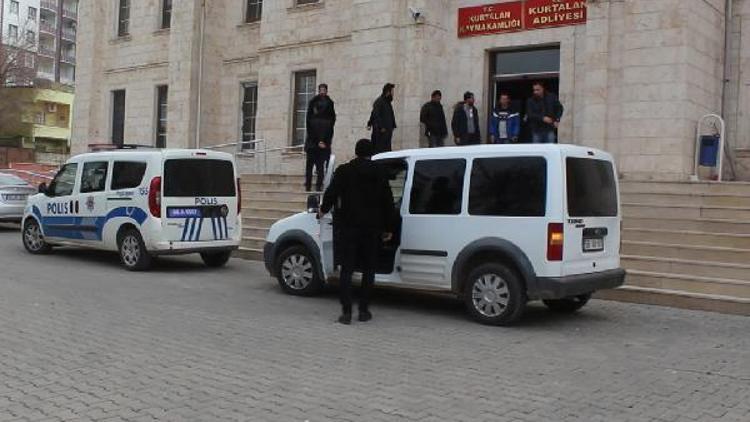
[(264, 150)]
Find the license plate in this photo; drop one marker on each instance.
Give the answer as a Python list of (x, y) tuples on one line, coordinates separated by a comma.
[(184, 212), (593, 244), (15, 197)]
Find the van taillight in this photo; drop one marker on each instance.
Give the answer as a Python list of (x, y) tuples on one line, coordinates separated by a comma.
[(239, 197), (555, 239), (154, 197)]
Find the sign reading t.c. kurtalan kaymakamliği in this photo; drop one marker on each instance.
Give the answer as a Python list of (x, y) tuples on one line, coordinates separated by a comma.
[(519, 15)]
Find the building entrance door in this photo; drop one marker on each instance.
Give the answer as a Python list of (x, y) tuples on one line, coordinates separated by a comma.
[(515, 71)]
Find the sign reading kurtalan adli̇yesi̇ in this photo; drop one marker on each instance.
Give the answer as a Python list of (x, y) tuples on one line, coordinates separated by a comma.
[(519, 15)]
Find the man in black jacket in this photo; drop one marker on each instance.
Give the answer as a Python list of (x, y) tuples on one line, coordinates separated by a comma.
[(382, 120), (364, 213), (465, 122), (432, 117), (321, 118), (543, 111)]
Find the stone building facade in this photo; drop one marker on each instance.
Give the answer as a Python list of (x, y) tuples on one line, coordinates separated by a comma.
[(634, 77)]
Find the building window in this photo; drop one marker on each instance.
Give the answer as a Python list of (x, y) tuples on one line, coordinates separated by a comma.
[(162, 94), (304, 2), (254, 10), (13, 32), (31, 37), (123, 21), (14, 7), (166, 14), (32, 14), (28, 59), (118, 117), (304, 91), (249, 114), (438, 187)]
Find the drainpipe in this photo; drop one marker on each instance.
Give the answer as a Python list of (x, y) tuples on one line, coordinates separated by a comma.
[(200, 75), (727, 52), (2, 25)]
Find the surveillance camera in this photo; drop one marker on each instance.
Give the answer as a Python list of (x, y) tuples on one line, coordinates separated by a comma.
[(416, 14)]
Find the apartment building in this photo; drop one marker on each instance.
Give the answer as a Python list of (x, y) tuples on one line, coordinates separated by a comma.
[(634, 76), (46, 29)]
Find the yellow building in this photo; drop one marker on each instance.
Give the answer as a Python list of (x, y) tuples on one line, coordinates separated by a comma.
[(38, 119)]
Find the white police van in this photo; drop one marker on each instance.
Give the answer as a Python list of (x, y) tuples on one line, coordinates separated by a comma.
[(497, 225), (142, 203)]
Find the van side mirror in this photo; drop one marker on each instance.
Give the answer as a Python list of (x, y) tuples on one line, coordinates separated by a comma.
[(313, 204), (43, 188)]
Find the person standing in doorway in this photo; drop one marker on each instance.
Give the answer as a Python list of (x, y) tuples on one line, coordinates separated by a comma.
[(543, 112), (382, 120), (363, 217), (465, 122), (432, 117), (505, 123), (321, 119)]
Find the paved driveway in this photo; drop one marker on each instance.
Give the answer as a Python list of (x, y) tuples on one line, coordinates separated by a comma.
[(81, 339)]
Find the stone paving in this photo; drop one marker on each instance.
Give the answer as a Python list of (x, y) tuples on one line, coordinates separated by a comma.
[(83, 340)]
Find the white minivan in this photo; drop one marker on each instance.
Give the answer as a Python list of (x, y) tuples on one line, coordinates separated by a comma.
[(497, 225), (141, 203)]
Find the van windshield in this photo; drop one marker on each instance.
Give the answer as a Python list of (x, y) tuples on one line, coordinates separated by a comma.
[(592, 189), (193, 178)]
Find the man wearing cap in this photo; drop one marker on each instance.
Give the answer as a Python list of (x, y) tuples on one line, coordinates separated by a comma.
[(465, 122), (364, 214)]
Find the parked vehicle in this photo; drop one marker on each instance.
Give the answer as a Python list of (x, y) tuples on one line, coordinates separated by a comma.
[(496, 225), (141, 203), (13, 194)]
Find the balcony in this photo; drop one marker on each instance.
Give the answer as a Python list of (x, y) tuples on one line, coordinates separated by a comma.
[(46, 27), (69, 13), (68, 58), (49, 5), (47, 51), (69, 34)]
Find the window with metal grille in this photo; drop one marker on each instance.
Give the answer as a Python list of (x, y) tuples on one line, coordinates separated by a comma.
[(304, 91), (166, 14), (249, 114), (254, 10), (123, 18), (162, 95), (118, 117)]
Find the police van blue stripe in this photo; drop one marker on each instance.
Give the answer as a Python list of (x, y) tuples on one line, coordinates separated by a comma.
[(198, 233), (185, 229), (213, 227), (226, 228)]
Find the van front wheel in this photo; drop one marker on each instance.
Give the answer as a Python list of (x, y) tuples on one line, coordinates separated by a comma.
[(494, 295), (568, 305), (296, 272)]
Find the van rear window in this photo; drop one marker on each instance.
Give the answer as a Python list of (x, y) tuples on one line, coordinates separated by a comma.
[(192, 178), (592, 188)]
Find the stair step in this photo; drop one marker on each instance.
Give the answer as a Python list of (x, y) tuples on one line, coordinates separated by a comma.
[(639, 210), (715, 188), (729, 240), (707, 225), (275, 195), (253, 242), (257, 232), (258, 186), (296, 206), (677, 299), (258, 222), (687, 200), (687, 252), (266, 213), (249, 254), (689, 283), (681, 266), (273, 178)]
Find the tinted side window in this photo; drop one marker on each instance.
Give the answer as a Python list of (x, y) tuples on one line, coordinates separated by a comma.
[(64, 182), (94, 177), (438, 187), (127, 174), (592, 190), (514, 186)]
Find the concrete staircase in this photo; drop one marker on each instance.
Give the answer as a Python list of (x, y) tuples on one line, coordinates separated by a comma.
[(265, 200), (686, 245)]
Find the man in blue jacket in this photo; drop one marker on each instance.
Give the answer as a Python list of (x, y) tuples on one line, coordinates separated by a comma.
[(505, 123)]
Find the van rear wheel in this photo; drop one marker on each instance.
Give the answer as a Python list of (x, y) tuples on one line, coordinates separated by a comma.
[(568, 305), (494, 294), (216, 259), (133, 253), (296, 272)]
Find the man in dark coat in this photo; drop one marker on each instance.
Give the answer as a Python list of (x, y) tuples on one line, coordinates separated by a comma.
[(543, 111), (382, 120), (364, 214), (465, 122), (432, 117), (321, 118)]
